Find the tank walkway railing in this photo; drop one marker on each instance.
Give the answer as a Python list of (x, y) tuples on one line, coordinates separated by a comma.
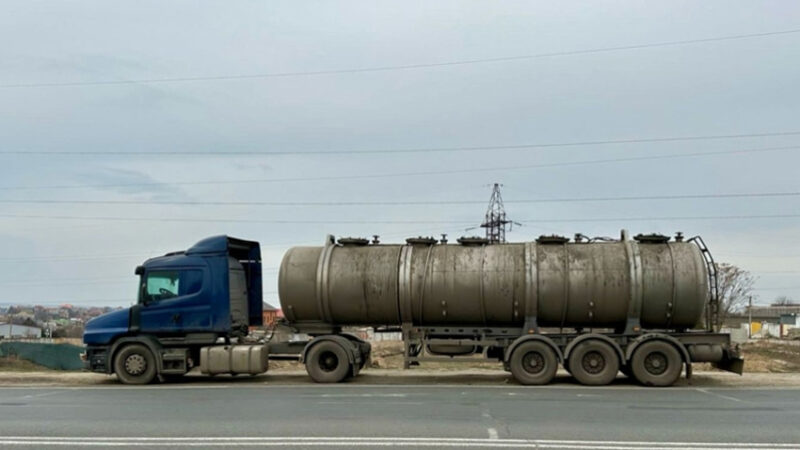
[(712, 309)]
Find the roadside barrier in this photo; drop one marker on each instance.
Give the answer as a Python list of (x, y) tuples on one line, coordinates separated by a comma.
[(52, 356)]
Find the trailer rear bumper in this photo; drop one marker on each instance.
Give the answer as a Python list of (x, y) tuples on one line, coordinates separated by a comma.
[(733, 364)]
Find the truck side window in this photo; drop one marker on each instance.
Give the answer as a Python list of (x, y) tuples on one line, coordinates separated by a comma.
[(166, 284)]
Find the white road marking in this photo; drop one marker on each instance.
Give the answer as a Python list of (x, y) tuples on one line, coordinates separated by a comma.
[(410, 385), (380, 442), (361, 395), (43, 394), (726, 397), (492, 433)]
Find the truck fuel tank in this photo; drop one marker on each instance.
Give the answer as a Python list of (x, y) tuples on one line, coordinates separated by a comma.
[(234, 359)]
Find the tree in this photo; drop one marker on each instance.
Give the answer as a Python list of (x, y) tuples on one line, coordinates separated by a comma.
[(783, 301), (735, 286)]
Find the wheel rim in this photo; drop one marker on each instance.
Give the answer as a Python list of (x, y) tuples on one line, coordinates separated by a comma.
[(533, 362), (328, 361), (135, 364), (655, 363), (593, 362)]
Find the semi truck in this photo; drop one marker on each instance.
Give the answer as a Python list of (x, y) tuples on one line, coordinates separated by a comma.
[(646, 307)]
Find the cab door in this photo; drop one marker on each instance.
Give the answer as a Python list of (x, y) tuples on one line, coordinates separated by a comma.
[(173, 301)]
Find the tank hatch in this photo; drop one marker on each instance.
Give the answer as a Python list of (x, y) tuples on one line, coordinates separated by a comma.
[(552, 239), (420, 240), (353, 241), (472, 240), (652, 238)]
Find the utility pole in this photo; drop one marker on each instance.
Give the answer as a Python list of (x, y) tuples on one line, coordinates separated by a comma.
[(495, 221), (750, 318)]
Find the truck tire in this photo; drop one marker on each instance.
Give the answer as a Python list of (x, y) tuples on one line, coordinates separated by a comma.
[(656, 363), (594, 363), (533, 363), (135, 364), (327, 362)]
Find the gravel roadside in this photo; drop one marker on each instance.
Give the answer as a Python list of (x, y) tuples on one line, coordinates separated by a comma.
[(394, 377)]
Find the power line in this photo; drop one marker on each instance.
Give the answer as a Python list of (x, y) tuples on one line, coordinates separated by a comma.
[(395, 67), (398, 203), (667, 218), (88, 281), (773, 272), (92, 257), (400, 150), (751, 255), (217, 220), (73, 257), (776, 288), (419, 173), (389, 222)]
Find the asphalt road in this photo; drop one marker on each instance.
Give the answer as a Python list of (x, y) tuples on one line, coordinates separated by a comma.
[(364, 416)]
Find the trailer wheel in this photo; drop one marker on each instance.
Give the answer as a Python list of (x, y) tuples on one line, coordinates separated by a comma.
[(594, 363), (656, 363), (327, 362), (533, 362), (135, 364)]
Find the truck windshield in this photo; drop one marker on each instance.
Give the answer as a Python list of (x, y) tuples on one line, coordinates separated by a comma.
[(165, 284)]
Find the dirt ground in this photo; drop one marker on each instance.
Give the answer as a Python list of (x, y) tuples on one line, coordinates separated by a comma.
[(767, 363), (767, 356), (771, 356)]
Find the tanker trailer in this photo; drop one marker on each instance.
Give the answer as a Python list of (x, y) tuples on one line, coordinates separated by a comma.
[(594, 306)]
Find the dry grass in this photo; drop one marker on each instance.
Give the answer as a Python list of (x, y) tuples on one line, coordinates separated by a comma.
[(14, 364), (771, 356)]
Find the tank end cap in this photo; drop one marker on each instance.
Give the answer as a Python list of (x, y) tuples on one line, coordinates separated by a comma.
[(652, 238), (552, 239)]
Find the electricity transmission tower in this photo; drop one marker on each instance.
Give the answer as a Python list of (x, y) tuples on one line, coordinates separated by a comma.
[(495, 221)]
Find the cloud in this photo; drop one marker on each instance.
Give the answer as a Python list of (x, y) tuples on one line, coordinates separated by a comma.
[(128, 181)]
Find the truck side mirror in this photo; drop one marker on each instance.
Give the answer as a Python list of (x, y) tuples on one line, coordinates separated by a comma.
[(139, 270)]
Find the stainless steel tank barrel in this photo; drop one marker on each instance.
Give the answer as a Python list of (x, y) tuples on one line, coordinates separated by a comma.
[(664, 284)]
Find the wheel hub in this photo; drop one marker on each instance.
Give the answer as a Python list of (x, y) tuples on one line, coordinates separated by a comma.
[(135, 364), (593, 362), (655, 363), (533, 362), (328, 361)]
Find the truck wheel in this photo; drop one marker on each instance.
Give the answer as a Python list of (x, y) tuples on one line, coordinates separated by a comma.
[(656, 363), (533, 362), (135, 364), (327, 362), (594, 363)]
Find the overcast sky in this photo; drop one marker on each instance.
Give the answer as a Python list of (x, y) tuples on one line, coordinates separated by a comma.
[(63, 68)]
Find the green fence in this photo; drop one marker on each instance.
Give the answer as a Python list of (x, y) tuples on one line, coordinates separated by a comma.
[(52, 356)]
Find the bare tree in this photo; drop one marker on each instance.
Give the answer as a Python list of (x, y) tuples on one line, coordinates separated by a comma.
[(735, 286), (783, 301)]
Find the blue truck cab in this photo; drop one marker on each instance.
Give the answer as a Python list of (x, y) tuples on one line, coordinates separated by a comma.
[(206, 295)]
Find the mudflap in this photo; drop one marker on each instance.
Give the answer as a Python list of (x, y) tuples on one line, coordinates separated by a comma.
[(732, 364)]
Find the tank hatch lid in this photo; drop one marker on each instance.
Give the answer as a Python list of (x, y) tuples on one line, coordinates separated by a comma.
[(353, 241), (652, 238), (552, 239), (472, 240), (420, 240)]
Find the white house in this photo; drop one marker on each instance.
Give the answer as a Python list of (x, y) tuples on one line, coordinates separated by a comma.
[(8, 331)]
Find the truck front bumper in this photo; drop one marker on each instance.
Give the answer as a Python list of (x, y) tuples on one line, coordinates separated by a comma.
[(95, 359)]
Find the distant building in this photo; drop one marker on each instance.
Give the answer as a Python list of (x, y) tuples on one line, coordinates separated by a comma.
[(8, 331), (773, 320), (271, 314)]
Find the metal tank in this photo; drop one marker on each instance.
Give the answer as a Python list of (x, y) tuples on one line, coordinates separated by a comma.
[(650, 281)]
